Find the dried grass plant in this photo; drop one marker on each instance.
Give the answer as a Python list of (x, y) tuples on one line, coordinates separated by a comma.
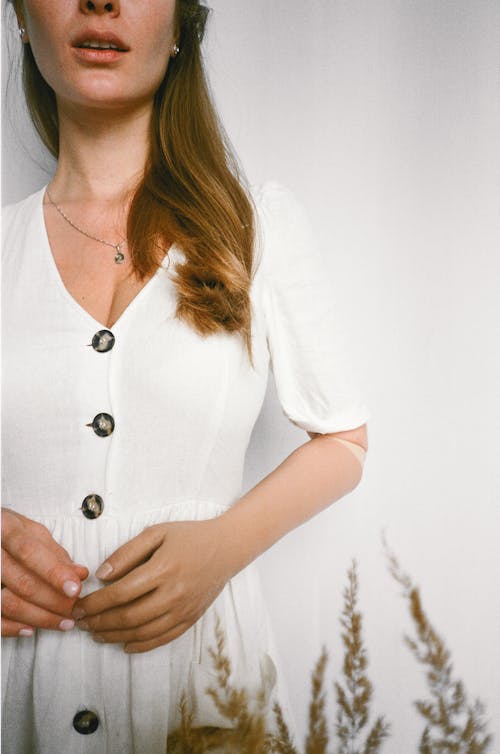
[(246, 732), (249, 732), (454, 725), (354, 697)]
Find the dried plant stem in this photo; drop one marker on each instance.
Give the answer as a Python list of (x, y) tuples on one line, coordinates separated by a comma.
[(246, 728), (281, 742), (317, 738), (353, 698), (453, 724)]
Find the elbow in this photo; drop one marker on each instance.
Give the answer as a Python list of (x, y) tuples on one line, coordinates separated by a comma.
[(357, 436), (354, 440)]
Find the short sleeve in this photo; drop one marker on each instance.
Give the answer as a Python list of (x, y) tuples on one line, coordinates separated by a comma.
[(308, 350)]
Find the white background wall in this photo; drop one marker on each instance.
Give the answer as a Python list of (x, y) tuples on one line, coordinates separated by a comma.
[(384, 117)]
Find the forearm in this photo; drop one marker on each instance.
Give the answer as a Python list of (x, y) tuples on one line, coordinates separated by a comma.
[(310, 479)]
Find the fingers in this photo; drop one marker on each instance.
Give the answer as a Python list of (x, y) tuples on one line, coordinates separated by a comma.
[(147, 631), (32, 546), (44, 560), (82, 571), (132, 554), (145, 646), (137, 583), (128, 616), (146, 637), (141, 580), (31, 588), (19, 610), (13, 628), (145, 620)]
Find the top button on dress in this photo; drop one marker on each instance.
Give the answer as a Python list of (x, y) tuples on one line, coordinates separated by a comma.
[(186, 405), (103, 341)]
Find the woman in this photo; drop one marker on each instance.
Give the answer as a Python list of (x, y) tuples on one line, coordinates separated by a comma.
[(147, 293)]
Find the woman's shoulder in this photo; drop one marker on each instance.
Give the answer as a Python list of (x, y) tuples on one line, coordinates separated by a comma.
[(272, 198), (16, 219), (282, 225), (18, 210), (17, 224)]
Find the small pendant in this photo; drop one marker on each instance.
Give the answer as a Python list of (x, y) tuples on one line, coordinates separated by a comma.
[(119, 257)]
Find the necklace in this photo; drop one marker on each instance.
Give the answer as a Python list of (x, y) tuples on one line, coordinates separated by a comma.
[(119, 256)]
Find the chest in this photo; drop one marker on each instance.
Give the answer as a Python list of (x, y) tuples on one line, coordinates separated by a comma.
[(88, 270)]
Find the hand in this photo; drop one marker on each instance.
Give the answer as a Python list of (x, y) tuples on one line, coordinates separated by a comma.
[(163, 581), (40, 582)]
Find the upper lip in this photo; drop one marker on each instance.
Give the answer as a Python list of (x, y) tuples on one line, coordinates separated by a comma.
[(89, 35)]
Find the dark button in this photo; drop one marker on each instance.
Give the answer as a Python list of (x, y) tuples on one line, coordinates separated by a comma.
[(103, 341), (92, 506), (85, 722), (102, 424)]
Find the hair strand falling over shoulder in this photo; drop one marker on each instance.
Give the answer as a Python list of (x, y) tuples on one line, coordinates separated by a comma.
[(192, 192)]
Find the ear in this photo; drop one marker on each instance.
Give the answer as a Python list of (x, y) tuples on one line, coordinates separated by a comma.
[(21, 22), (19, 10), (24, 38), (177, 25)]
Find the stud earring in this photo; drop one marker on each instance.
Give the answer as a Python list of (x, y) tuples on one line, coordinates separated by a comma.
[(21, 31), (175, 50)]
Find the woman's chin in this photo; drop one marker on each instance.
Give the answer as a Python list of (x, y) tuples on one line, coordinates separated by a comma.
[(106, 100)]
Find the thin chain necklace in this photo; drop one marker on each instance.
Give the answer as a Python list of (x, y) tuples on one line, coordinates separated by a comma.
[(119, 256)]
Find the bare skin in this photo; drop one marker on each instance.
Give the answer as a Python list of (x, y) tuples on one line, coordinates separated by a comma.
[(104, 117), (101, 287), (40, 582)]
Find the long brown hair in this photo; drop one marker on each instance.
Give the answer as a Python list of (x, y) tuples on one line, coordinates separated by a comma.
[(192, 193)]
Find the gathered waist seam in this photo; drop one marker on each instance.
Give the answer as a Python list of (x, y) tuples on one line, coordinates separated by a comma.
[(127, 514)]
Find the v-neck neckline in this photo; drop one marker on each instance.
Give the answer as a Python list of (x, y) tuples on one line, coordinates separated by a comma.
[(65, 292)]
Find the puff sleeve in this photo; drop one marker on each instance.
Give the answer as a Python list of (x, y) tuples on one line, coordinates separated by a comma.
[(308, 350)]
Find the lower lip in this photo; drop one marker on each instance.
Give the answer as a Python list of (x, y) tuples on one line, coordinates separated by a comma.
[(98, 56)]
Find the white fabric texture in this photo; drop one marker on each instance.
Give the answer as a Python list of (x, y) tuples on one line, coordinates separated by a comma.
[(184, 407)]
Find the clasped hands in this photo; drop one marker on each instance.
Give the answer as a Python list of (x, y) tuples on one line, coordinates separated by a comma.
[(157, 585)]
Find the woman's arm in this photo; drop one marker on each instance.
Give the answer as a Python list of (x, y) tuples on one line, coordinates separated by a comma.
[(307, 481), (165, 578)]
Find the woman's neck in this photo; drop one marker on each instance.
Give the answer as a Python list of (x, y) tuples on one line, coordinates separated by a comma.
[(101, 157)]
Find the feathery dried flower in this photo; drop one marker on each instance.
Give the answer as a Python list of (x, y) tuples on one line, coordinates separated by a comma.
[(317, 737), (353, 699), (453, 724)]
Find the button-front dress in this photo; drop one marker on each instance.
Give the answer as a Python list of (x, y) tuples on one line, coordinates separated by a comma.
[(109, 430)]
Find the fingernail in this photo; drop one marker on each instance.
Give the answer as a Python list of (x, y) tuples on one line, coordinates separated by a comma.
[(26, 632), (104, 570), (66, 624), (99, 639), (83, 625), (71, 588), (78, 612)]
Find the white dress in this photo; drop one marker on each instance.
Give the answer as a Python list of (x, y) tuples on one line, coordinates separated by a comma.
[(183, 407)]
